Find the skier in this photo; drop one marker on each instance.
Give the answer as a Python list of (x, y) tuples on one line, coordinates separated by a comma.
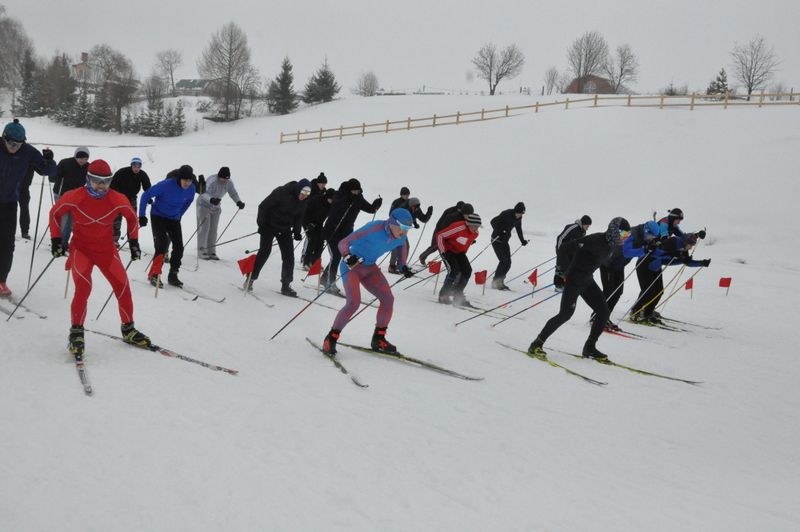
[(94, 208), (582, 257), (670, 224), (70, 174), (172, 197), (451, 214), (16, 158), (405, 193), (502, 224), (453, 242), (412, 205), (347, 203), (361, 249), (129, 181), (313, 221), (318, 185), (570, 232), (209, 210), (279, 216)]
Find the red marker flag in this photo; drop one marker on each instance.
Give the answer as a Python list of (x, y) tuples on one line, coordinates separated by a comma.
[(480, 277), (247, 264), (316, 268), (155, 268), (533, 278), (689, 284), (725, 282), (435, 266)]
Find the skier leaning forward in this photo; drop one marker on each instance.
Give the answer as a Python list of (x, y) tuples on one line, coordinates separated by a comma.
[(360, 250), (93, 209)]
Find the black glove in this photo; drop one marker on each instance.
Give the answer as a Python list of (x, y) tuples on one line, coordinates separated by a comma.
[(524, 242), (215, 201), (47, 153), (377, 203), (56, 247), (142, 221), (653, 245), (416, 225), (298, 237), (136, 251), (705, 263), (701, 234), (240, 204), (429, 211), (559, 281), (406, 271), (352, 260)]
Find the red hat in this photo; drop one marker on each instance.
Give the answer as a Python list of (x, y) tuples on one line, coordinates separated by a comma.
[(99, 168)]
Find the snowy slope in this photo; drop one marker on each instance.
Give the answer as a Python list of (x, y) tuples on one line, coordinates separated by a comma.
[(291, 444)]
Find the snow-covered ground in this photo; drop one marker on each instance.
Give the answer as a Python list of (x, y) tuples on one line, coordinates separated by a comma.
[(291, 444)]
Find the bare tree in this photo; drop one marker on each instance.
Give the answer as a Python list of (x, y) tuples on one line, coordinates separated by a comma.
[(226, 61), (168, 61), (754, 64), (494, 67), (550, 79), (367, 84), (113, 75), (587, 56), (564, 79), (622, 69), (154, 88)]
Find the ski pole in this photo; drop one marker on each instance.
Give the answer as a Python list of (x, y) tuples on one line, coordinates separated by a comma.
[(301, 311), (495, 270), (112, 292), (526, 309), (421, 233), (503, 304), (36, 231), (402, 278), (31, 288), (531, 269), (237, 238), (676, 280), (228, 225), (678, 288), (661, 273), (431, 275), (626, 277), (52, 202)]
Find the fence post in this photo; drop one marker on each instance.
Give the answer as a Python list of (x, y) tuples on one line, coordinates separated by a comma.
[(458, 117), (341, 130), (298, 136), (791, 95), (363, 128), (281, 142), (536, 109), (320, 134), (691, 107), (482, 113), (629, 100), (566, 104), (434, 121), (595, 101), (661, 103), (387, 126), (725, 106), (761, 98), (506, 111), (408, 126)]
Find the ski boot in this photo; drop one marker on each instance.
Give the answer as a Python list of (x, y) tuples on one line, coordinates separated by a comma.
[(5, 291), (155, 281), (287, 290), (172, 280), (131, 336), (76, 343), (536, 348), (422, 259), (590, 351), (329, 343), (611, 326), (498, 284), (445, 299), (393, 269), (334, 290), (460, 301), (380, 343), (26, 236)]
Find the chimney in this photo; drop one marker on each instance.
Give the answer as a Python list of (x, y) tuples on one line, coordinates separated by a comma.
[(84, 57)]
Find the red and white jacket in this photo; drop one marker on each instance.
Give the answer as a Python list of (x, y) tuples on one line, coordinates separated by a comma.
[(456, 237), (93, 218)]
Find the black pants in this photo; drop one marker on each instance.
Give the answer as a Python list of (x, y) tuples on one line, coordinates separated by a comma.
[(315, 244), (648, 297), (8, 228), (459, 271), (329, 275), (284, 239), (24, 210), (166, 231), (503, 252), (118, 220), (430, 249), (611, 279), (588, 290)]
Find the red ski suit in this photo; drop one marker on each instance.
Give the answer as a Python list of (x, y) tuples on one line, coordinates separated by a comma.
[(92, 244)]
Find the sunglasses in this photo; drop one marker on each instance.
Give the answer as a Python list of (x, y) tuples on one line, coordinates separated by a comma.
[(402, 227), (97, 180)]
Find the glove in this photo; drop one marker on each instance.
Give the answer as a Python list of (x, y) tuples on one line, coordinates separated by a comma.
[(701, 234), (298, 237), (429, 211), (525, 242), (406, 271), (705, 263), (416, 225), (653, 245), (142, 221), (47, 153), (352, 261), (215, 201), (377, 203), (56, 247), (136, 251), (201, 184), (240, 204), (559, 281)]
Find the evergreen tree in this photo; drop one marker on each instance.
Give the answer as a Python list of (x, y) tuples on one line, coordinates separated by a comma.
[(58, 86), (322, 86), (82, 110), (29, 102), (167, 126), (102, 116), (719, 85), (179, 124), (281, 97), (127, 123)]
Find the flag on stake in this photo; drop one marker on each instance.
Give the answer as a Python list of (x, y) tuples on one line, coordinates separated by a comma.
[(315, 268), (725, 282), (435, 266), (480, 277), (689, 284), (247, 264), (533, 277), (155, 268)]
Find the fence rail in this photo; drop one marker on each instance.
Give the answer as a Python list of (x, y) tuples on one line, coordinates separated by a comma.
[(691, 102)]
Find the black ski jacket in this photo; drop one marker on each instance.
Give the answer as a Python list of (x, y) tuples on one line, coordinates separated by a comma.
[(128, 183), (344, 211), (282, 210), (579, 259), (504, 223), (69, 175)]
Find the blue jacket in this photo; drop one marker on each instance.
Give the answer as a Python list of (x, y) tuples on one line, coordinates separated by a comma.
[(171, 200), (13, 169), (370, 242)]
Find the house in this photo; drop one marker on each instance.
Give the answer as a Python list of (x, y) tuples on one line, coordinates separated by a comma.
[(82, 72), (192, 87), (591, 85)]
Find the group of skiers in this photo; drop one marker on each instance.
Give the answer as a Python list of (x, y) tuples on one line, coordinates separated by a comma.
[(90, 202)]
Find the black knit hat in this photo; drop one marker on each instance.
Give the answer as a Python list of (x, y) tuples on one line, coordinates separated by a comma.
[(224, 172), (676, 213), (355, 184), (519, 208), (467, 208), (186, 172), (321, 178), (586, 220), (404, 191)]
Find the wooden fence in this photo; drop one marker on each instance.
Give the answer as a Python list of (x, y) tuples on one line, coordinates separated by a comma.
[(661, 102)]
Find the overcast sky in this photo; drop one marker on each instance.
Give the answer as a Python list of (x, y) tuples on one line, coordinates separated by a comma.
[(411, 43)]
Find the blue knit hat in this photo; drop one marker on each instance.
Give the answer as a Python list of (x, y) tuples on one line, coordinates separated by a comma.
[(136, 160), (14, 131)]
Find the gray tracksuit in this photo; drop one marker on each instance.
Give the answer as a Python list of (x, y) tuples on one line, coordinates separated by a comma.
[(208, 214)]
